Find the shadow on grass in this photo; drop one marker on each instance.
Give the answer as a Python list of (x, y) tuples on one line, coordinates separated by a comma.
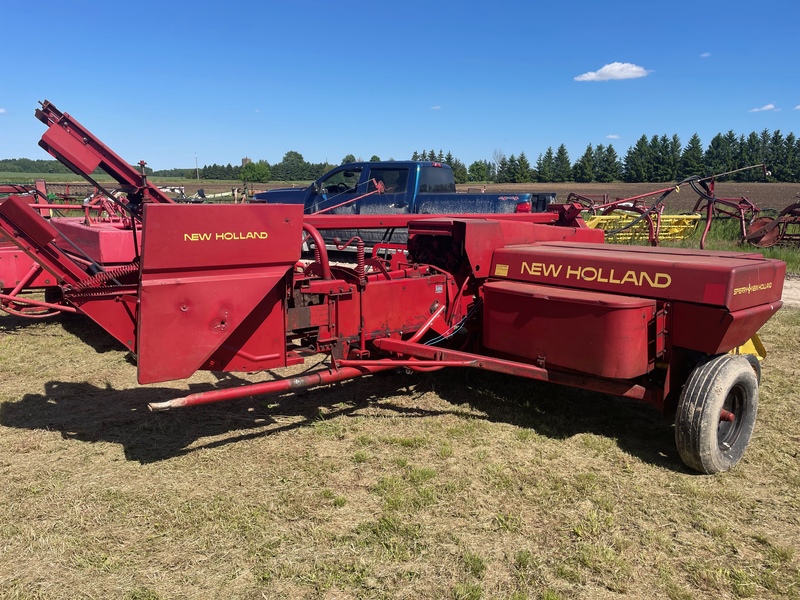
[(561, 412), (80, 326), (89, 413)]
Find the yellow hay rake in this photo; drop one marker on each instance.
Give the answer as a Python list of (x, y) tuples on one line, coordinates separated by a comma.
[(664, 227)]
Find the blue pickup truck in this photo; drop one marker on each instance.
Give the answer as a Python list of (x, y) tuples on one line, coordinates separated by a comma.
[(392, 187)]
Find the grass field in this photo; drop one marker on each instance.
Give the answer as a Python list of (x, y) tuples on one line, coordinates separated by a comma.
[(454, 484), (445, 485)]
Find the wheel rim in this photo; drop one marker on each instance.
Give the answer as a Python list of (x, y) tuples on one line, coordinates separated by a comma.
[(729, 422)]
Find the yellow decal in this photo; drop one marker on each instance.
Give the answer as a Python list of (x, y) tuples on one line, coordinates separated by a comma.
[(548, 270), (226, 236), (196, 237), (752, 288), (501, 270), (598, 274)]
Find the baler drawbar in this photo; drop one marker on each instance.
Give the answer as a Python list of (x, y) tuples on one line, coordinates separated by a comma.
[(539, 296)]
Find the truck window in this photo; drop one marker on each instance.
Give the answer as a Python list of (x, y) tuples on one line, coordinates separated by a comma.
[(339, 182), (395, 180), (436, 179)]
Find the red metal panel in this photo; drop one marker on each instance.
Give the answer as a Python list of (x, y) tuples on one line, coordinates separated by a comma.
[(105, 243), (599, 334), (715, 330), (735, 281), (17, 210), (186, 323), (221, 235), (15, 265), (60, 143), (401, 305), (212, 287)]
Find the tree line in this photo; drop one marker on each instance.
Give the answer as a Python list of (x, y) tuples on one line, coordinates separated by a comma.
[(655, 159)]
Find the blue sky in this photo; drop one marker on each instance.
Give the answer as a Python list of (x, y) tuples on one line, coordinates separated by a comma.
[(167, 81)]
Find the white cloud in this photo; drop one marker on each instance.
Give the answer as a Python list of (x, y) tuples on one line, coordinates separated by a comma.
[(797, 107), (765, 107), (612, 136), (705, 55), (615, 70), (2, 110), (437, 107)]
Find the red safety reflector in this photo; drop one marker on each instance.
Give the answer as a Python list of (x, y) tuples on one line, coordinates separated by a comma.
[(523, 207), (436, 164)]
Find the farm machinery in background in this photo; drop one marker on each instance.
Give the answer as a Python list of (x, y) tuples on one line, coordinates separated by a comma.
[(627, 220), (781, 230), (225, 287)]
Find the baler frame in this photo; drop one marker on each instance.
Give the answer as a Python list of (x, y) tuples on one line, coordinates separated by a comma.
[(537, 295)]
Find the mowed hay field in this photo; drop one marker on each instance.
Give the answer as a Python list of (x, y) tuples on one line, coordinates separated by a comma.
[(454, 484)]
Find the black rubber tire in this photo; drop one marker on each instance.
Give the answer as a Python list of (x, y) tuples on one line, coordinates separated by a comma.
[(705, 442), (755, 363)]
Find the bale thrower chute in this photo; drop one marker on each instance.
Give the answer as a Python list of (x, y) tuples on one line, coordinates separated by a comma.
[(539, 296)]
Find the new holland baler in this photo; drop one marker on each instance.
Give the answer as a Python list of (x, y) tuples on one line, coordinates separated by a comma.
[(539, 296)]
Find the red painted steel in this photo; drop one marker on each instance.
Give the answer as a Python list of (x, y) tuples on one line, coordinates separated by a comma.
[(80, 150), (731, 280), (215, 275), (570, 329), (106, 243), (269, 387), (434, 355), (225, 288)]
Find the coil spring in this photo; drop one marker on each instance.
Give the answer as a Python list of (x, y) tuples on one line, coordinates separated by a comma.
[(100, 279)]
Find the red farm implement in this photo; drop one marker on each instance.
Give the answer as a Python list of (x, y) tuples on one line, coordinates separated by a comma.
[(782, 230), (633, 220), (538, 296)]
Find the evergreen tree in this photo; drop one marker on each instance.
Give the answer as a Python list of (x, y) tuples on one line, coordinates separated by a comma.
[(674, 156), (415, 156), (546, 166), (792, 158), (611, 166), (749, 153), (562, 168), (512, 170), (638, 162), (524, 167), (692, 159), (502, 170), (660, 159), (459, 171), (583, 169), (719, 155), (375, 158), (598, 162), (776, 156), (733, 143), (764, 138)]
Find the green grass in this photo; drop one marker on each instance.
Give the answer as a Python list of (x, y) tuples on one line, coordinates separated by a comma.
[(444, 485)]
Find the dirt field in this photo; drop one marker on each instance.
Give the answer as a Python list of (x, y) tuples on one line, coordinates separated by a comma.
[(791, 292)]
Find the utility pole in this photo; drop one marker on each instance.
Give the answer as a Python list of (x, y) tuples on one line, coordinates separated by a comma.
[(196, 168)]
